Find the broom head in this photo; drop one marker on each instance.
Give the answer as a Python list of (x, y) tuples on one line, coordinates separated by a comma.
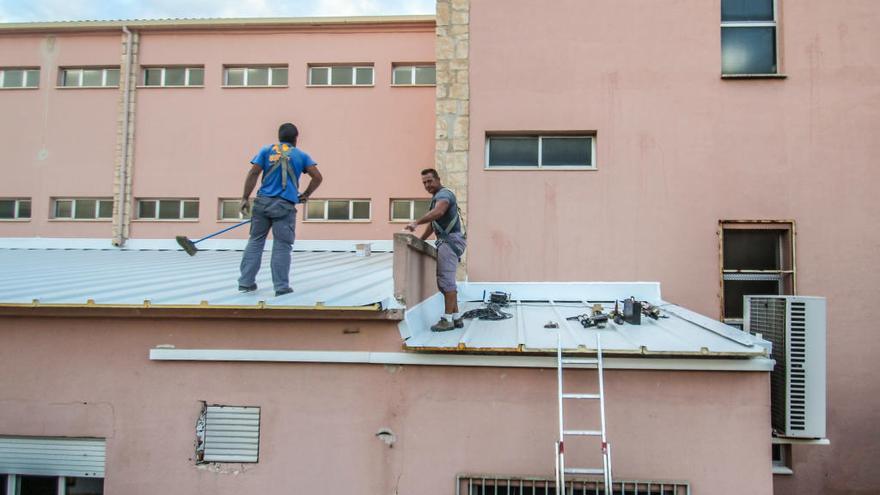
[(187, 245)]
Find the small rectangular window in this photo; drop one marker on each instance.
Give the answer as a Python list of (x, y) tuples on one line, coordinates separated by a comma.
[(756, 258), (15, 209), (168, 209), (19, 78), (414, 75), (338, 210), (341, 75), (515, 151), (230, 209), (748, 37), (255, 76), (82, 208), (89, 77), (407, 210)]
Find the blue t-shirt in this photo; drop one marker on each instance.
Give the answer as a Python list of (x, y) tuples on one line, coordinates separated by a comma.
[(451, 212), (271, 187)]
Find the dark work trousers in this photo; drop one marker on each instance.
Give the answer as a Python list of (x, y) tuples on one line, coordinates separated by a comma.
[(279, 215)]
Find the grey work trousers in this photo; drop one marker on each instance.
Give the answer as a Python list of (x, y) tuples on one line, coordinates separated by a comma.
[(279, 215)]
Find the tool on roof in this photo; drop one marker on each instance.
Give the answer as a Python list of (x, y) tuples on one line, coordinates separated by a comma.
[(190, 246), (492, 311), (561, 470), (598, 319)]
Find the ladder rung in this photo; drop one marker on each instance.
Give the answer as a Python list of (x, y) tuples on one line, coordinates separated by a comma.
[(580, 396), (591, 433), (580, 361), (584, 471)]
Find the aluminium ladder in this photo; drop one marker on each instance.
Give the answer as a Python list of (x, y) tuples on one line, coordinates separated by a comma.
[(561, 470)]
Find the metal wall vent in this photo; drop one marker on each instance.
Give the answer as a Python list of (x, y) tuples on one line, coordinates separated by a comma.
[(796, 327), (484, 484), (75, 457), (228, 434)]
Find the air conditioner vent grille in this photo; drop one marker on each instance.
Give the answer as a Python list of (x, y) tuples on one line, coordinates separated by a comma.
[(767, 317)]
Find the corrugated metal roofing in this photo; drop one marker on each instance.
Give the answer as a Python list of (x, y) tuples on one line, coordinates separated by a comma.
[(116, 278), (679, 332), (215, 22)]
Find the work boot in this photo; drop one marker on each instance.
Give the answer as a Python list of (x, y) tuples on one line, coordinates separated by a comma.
[(281, 292), (459, 323), (247, 288), (443, 325)]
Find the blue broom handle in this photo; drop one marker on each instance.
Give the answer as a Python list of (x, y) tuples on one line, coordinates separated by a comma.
[(227, 229)]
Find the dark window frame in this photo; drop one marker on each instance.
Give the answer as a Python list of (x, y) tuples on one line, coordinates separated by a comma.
[(785, 274)]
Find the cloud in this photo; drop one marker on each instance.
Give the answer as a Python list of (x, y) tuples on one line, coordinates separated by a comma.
[(68, 10)]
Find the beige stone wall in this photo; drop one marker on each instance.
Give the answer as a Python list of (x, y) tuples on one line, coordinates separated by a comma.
[(122, 200), (453, 100)]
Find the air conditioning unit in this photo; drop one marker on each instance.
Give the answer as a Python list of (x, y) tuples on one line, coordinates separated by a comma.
[(796, 327)]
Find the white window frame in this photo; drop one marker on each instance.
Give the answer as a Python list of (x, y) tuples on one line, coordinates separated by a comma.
[(64, 71), (540, 166), (747, 24), (73, 206), (350, 211), (413, 68), (180, 217), (244, 84), (23, 79), (353, 68), (237, 202), (16, 217), (186, 76), (412, 209)]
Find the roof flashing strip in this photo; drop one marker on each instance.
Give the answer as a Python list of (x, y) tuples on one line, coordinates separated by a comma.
[(425, 359)]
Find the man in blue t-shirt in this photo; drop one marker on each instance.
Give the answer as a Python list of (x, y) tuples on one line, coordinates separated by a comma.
[(275, 207), (444, 221)]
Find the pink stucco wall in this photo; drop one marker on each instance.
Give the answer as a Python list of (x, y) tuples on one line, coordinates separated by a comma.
[(369, 142), (319, 420), (679, 149), (57, 142)]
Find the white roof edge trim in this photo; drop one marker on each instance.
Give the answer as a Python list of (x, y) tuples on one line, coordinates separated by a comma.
[(376, 245), (425, 359)]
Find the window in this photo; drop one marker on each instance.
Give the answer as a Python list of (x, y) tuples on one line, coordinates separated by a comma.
[(748, 37), (550, 152), (168, 209), (174, 76), (781, 458), (481, 484), (15, 209), (230, 209), (338, 210), (228, 434), (407, 210), (55, 466), (255, 76), (82, 208), (19, 78), (757, 258), (341, 75), (414, 75), (89, 77)]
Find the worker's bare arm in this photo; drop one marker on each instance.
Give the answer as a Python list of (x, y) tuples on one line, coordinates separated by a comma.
[(435, 213), (315, 179), (250, 182)]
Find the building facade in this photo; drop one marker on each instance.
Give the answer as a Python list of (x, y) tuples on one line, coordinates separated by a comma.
[(719, 148)]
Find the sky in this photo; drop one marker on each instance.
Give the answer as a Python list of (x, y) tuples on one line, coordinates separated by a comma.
[(77, 10)]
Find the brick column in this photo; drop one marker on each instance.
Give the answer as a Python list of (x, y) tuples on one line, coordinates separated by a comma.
[(122, 200), (453, 101)]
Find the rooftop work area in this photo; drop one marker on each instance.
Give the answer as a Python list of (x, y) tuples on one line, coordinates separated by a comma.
[(537, 312), (166, 277)]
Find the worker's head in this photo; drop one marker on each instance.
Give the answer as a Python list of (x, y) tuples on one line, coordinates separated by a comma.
[(431, 180), (288, 133)]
